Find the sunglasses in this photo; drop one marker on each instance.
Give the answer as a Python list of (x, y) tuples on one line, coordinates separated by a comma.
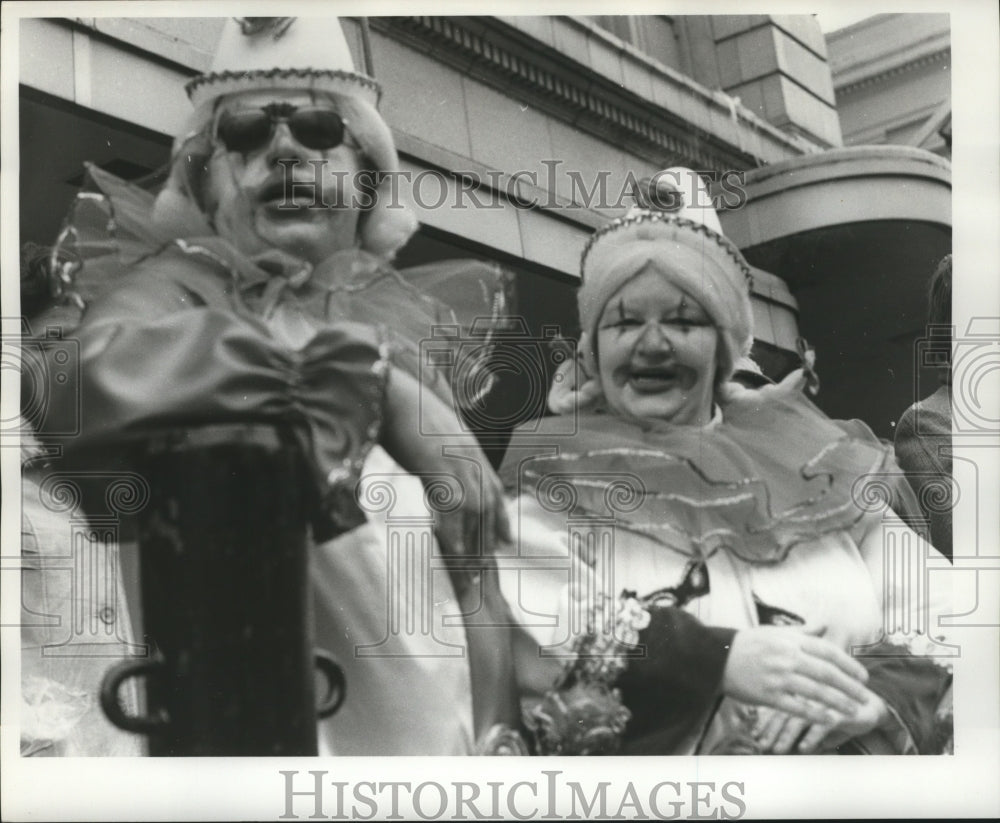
[(314, 127)]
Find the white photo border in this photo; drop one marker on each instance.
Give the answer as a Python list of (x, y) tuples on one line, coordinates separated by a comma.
[(962, 785)]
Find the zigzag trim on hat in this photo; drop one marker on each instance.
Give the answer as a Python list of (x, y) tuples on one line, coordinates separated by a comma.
[(660, 217), (270, 74)]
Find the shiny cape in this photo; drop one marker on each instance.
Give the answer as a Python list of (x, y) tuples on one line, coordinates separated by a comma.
[(175, 327), (775, 471), (117, 230)]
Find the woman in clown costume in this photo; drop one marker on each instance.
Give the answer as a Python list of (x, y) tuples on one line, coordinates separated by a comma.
[(699, 569)]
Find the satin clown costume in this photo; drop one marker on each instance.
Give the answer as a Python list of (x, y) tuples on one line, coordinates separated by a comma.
[(181, 325)]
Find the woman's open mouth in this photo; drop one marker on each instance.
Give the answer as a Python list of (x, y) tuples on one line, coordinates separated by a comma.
[(653, 379)]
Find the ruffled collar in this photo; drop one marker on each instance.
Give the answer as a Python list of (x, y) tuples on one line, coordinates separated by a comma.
[(773, 472), (119, 224)]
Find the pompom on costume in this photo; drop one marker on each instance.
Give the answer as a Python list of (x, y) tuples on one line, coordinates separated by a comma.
[(647, 545)]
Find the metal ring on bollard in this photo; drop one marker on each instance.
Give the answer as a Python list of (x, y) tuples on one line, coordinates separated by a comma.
[(336, 684), (112, 682)]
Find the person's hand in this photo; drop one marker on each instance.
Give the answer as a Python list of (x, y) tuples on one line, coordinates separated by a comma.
[(873, 714), (794, 671), (423, 434), (779, 733), (572, 388)]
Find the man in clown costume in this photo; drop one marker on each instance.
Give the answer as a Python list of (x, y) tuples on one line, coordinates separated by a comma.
[(257, 283)]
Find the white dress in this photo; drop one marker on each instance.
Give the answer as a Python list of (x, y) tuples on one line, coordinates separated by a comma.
[(382, 613)]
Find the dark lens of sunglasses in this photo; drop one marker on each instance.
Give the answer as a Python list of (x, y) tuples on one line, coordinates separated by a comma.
[(314, 128), (244, 131), (317, 128)]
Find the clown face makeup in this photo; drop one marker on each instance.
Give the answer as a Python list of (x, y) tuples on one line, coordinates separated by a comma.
[(687, 244), (282, 191), (656, 352)]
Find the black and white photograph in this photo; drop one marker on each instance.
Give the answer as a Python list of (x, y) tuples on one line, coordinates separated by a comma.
[(384, 392)]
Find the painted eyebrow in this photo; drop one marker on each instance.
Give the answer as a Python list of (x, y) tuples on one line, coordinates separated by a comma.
[(684, 310), (622, 312), (687, 310)]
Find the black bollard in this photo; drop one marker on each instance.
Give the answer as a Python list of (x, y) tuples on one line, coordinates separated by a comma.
[(223, 552)]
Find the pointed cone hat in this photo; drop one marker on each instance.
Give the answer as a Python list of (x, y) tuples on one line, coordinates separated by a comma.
[(296, 54), (257, 53)]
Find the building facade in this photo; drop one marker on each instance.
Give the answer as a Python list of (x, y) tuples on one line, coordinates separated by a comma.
[(892, 79)]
